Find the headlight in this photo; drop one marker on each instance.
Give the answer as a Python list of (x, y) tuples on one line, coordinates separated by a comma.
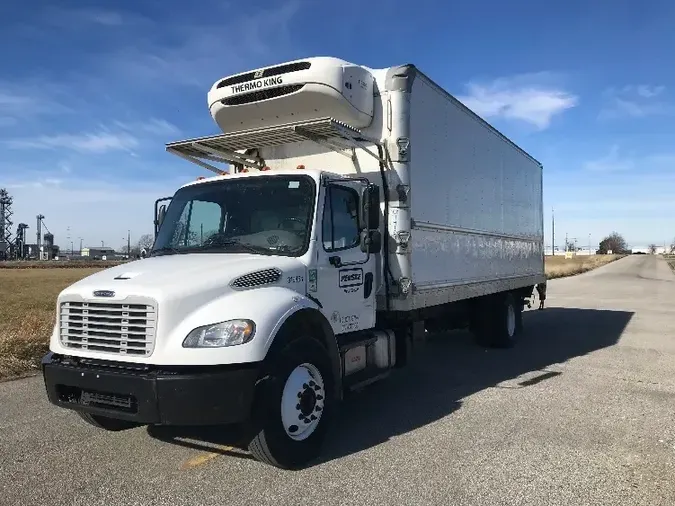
[(217, 335)]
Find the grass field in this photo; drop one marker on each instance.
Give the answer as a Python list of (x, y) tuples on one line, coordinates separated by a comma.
[(560, 267), (27, 314), (671, 261), (28, 294)]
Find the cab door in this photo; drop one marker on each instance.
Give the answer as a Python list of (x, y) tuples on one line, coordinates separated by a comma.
[(345, 283)]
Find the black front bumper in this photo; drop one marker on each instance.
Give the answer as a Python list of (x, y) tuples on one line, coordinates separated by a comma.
[(205, 395)]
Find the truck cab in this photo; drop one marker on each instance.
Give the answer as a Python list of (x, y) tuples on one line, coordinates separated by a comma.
[(321, 227)]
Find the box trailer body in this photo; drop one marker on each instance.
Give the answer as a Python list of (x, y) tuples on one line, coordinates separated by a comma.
[(355, 208)]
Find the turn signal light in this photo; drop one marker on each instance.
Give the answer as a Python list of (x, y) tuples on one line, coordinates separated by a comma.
[(300, 167)]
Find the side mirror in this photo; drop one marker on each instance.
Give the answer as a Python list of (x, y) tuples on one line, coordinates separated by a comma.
[(160, 211), (370, 207), (160, 215), (371, 241)]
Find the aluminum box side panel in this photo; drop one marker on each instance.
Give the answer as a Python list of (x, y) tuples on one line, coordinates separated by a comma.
[(476, 199)]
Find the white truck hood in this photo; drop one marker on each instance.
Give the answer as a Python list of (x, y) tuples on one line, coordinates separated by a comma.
[(186, 291), (180, 276)]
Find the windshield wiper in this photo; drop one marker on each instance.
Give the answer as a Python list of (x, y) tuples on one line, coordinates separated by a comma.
[(165, 250), (248, 247)]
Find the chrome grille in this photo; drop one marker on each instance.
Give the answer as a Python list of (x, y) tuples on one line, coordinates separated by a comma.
[(121, 328)]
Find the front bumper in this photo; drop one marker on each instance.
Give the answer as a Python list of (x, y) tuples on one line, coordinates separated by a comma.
[(206, 395)]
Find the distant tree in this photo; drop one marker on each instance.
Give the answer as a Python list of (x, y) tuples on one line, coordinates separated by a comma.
[(672, 247), (570, 246), (145, 242), (615, 243), (652, 249)]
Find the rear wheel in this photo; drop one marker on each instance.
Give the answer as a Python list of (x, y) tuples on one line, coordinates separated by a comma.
[(296, 405), (498, 321), (106, 423)]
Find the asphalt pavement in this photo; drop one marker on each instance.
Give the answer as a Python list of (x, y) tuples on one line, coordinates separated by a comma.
[(581, 412)]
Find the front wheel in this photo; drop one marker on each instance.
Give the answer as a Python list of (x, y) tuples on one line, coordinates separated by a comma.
[(298, 402)]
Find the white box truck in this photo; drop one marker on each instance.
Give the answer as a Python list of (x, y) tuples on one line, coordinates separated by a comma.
[(352, 210)]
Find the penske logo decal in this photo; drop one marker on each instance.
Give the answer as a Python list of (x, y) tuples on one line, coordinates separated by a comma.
[(351, 277), (257, 85)]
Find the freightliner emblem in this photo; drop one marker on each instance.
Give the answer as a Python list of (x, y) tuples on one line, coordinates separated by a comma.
[(104, 293)]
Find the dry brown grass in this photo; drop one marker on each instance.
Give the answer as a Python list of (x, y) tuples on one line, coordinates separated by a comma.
[(560, 267), (27, 314), (60, 264), (671, 261)]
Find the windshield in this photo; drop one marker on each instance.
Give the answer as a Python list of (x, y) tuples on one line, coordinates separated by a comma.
[(263, 214)]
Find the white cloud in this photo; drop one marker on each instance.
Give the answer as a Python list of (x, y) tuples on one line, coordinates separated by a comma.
[(22, 100), (647, 91), (101, 142), (154, 126), (635, 101), (612, 162), (615, 161), (128, 137), (527, 98), (70, 18), (197, 53)]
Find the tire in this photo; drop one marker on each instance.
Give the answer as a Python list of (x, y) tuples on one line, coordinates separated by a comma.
[(295, 406), (508, 318), (499, 321), (106, 423)]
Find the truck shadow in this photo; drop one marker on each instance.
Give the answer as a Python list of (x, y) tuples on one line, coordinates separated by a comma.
[(445, 370)]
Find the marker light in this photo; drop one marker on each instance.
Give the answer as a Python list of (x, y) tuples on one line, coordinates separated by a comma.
[(300, 167)]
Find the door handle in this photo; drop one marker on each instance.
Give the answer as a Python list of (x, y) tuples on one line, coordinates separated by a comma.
[(367, 285)]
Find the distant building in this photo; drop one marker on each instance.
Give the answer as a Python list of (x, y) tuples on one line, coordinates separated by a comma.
[(98, 253)]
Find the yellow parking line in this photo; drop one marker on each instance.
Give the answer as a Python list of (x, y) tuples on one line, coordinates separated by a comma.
[(203, 458)]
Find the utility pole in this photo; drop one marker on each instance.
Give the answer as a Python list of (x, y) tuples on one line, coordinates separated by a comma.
[(552, 231), (589, 244), (129, 243)]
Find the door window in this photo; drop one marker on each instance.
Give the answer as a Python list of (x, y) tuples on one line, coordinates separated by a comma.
[(340, 219)]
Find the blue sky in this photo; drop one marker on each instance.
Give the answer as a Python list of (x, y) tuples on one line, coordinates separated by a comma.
[(91, 91)]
